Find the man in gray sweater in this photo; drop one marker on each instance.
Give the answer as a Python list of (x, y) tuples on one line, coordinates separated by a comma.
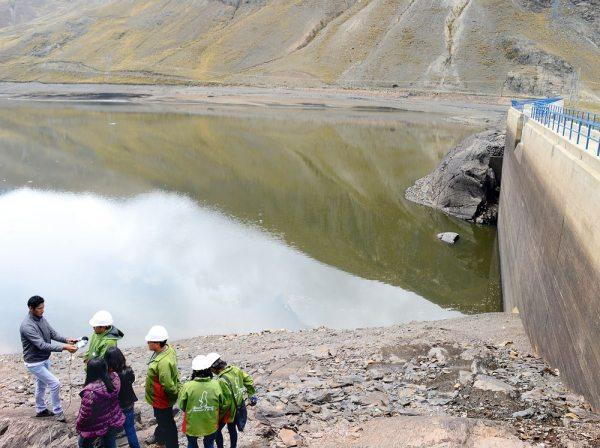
[(37, 337)]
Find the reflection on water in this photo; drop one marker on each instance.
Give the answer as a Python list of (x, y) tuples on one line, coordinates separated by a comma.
[(331, 186), (160, 258)]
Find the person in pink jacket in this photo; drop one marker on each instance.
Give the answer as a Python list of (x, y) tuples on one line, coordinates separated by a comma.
[(100, 415)]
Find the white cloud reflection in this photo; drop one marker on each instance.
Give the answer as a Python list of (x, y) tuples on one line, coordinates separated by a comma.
[(160, 258)]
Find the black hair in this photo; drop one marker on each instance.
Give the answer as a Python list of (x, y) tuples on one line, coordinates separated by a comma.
[(219, 365), (206, 373), (98, 370), (162, 343), (115, 359), (35, 301)]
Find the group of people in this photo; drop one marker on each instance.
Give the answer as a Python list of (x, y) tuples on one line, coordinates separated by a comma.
[(213, 398)]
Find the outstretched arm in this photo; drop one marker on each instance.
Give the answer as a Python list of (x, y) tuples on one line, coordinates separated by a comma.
[(36, 339), (248, 384), (55, 336)]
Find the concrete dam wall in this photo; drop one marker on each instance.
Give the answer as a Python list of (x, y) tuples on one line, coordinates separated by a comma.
[(549, 235)]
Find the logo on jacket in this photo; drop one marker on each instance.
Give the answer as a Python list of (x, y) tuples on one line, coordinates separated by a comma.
[(203, 405), (240, 389)]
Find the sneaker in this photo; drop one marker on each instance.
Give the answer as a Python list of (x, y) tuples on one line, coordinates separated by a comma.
[(61, 417), (44, 413)]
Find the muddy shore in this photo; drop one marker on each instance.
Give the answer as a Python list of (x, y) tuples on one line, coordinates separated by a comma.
[(470, 381), (470, 109)]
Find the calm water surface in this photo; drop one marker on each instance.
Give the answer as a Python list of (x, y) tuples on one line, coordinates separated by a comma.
[(229, 220)]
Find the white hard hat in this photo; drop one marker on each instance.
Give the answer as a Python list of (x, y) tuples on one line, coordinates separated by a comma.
[(157, 333), (201, 362), (101, 319), (212, 357)]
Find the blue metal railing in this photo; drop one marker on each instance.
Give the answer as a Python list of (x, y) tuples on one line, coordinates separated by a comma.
[(576, 125), (519, 104)]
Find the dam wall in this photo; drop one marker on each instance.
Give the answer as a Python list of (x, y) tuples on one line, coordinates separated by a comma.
[(549, 237)]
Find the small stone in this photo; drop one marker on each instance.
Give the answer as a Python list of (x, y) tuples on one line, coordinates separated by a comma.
[(375, 399), (485, 382), (375, 374), (288, 437), (524, 413), (438, 354), (291, 408), (448, 237), (319, 397), (536, 394), (322, 352)]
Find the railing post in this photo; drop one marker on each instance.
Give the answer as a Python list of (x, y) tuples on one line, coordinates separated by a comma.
[(579, 131), (587, 140), (571, 129)]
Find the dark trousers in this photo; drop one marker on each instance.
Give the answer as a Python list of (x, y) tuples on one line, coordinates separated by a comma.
[(232, 429), (166, 430), (208, 441), (108, 441)]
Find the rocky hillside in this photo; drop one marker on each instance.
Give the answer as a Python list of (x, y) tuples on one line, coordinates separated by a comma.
[(484, 46)]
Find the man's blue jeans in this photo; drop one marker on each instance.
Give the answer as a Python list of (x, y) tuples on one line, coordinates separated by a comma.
[(129, 428), (46, 380), (208, 441), (108, 441)]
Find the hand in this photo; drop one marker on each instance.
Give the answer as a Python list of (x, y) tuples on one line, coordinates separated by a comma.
[(72, 341), (253, 400), (70, 348)]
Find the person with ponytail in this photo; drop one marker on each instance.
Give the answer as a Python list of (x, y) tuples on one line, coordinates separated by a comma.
[(116, 363), (100, 415)]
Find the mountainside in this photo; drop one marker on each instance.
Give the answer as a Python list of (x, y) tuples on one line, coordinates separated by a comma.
[(487, 46)]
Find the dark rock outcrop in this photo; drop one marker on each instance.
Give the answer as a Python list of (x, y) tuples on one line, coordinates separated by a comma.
[(464, 184)]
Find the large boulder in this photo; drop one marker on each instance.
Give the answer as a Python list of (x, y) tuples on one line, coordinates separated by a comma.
[(466, 183)]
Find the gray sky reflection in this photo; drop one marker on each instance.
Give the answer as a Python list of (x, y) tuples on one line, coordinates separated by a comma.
[(160, 258)]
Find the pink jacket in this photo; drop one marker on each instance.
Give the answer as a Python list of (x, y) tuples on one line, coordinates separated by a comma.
[(99, 409)]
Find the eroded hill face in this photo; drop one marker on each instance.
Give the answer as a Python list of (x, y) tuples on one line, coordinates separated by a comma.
[(488, 46)]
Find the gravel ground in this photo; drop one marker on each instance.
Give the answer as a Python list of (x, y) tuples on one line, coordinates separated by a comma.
[(324, 387)]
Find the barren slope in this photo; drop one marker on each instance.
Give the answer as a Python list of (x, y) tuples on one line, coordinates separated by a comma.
[(488, 46)]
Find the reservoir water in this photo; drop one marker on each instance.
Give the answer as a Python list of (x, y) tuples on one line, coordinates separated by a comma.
[(236, 219)]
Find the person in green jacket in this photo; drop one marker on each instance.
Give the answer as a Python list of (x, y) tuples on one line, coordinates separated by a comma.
[(105, 335), (162, 386), (238, 384), (204, 403)]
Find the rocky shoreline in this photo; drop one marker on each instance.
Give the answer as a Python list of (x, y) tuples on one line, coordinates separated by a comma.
[(470, 381)]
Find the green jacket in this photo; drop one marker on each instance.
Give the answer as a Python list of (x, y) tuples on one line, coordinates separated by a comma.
[(162, 381), (205, 406), (237, 383), (99, 343)]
